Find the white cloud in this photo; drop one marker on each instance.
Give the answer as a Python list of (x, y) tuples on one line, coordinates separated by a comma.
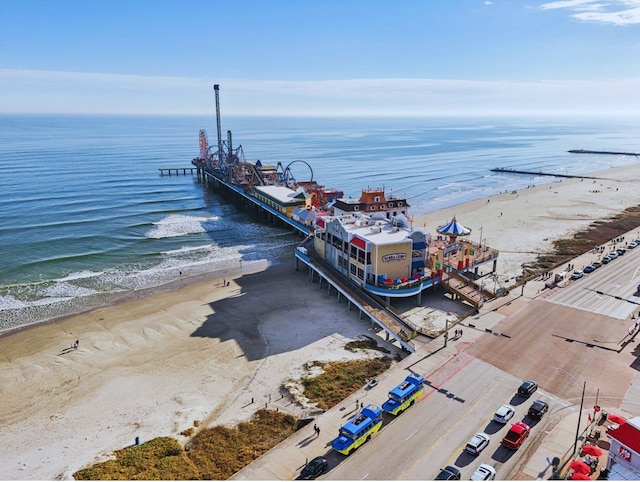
[(616, 12), (91, 93)]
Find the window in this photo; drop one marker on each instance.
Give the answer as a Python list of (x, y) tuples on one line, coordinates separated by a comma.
[(372, 208), (390, 205), (376, 199), (356, 208)]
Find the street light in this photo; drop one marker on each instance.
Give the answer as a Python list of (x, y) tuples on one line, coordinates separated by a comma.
[(584, 387)]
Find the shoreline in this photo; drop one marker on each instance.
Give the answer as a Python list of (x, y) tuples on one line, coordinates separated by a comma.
[(175, 284), (194, 350)]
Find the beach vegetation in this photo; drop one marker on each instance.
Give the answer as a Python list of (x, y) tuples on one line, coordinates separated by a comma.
[(365, 343), (221, 451), (340, 379), (597, 234), (214, 453), (159, 459)]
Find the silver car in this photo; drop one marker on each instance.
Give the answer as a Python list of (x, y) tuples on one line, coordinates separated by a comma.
[(477, 443), (504, 414), (484, 472)]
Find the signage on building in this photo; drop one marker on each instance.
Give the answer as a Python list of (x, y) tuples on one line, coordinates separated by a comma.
[(624, 454), (394, 257)]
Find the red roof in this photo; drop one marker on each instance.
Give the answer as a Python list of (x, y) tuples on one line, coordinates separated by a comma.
[(627, 435)]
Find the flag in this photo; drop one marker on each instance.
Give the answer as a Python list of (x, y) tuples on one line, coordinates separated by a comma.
[(589, 415)]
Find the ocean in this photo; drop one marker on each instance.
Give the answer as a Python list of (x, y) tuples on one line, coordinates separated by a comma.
[(86, 218)]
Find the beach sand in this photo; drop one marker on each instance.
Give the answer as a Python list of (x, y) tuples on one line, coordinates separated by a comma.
[(200, 350)]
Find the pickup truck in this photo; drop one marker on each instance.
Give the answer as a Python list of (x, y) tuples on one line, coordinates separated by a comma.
[(516, 435)]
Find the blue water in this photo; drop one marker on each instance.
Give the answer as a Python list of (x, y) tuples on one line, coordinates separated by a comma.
[(85, 216)]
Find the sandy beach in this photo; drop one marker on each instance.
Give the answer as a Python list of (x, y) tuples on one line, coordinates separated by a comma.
[(205, 351)]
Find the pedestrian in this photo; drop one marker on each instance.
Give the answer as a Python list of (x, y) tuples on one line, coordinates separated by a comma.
[(461, 332), (76, 344), (361, 405), (316, 429)]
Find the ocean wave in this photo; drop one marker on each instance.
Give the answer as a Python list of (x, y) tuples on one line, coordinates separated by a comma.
[(176, 225)]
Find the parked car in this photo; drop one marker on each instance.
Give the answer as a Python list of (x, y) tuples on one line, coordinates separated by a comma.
[(613, 255), (504, 413), (596, 264), (621, 251), (577, 274), (516, 435), (315, 468), (477, 443), (527, 388), (448, 473), (538, 408), (632, 245), (484, 472), (606, 260), (589, 269)]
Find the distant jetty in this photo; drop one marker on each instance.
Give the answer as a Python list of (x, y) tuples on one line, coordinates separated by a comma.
[(540, 173), (587, 151)]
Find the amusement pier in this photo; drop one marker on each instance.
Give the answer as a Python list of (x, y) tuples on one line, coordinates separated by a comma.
[(364, 250)]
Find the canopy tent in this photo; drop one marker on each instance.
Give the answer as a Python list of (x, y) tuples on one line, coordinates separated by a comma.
[(616, 418), (580, 466), (453, 229), (592, 450)]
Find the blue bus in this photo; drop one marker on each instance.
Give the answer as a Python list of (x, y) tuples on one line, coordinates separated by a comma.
[(404, 395), (358, 430)]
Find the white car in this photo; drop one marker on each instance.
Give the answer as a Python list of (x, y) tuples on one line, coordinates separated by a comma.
[(504, 414), (484, 472), (477, 443), (577, 274)]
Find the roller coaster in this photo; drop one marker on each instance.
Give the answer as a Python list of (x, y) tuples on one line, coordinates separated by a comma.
[(230, 165)]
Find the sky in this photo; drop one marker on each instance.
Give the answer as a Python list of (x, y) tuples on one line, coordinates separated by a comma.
[(321, 57)]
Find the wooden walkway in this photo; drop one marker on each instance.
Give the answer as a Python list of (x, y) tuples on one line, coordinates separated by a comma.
[(169, 170)]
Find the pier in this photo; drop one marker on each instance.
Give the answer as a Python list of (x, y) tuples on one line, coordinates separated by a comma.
[(614, 153), (507, 170), (238, 195), (169, 170)]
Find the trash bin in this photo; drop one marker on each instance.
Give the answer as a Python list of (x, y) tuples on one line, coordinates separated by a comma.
[(597, 434), (603, 417)]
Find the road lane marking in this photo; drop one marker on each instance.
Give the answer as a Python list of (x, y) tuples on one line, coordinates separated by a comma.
[(450, 429)]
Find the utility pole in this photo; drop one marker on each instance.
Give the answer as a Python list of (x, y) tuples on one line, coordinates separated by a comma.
[(446, 331), (575, 444)]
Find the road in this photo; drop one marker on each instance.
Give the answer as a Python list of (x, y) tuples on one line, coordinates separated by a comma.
[(433, 433), (610, 290)]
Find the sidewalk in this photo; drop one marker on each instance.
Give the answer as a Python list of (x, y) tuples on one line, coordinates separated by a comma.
[(558, 442)]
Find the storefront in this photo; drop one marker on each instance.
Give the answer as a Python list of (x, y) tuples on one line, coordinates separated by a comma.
[(624, 454)]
